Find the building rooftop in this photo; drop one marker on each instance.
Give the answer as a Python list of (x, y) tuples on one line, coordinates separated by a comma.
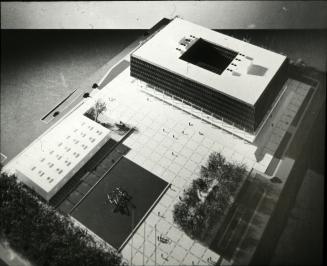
[(49, 162), (233, 67)]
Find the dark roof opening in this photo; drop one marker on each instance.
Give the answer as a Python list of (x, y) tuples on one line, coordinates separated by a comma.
[(209, 56)]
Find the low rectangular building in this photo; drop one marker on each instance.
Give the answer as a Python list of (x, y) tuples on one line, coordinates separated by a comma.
[(50, 161), (233, 79)]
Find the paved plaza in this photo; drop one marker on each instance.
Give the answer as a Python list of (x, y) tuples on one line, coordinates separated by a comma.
[(172, 141)]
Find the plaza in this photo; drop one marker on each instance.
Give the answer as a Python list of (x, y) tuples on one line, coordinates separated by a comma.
[(171, 141)]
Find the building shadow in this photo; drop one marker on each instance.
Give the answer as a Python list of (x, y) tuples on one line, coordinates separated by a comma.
[(256, 70)]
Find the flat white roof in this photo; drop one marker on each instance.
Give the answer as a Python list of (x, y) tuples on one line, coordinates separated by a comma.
[(57, 154), (160, 50)]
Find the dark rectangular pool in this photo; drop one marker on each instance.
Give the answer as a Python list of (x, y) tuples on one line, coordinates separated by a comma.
[(97, 214)]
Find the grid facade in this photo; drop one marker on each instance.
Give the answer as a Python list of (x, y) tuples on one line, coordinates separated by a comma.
[(230, 110), (266, 99)]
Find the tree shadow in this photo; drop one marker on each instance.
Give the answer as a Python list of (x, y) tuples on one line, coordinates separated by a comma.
[(124, 209)]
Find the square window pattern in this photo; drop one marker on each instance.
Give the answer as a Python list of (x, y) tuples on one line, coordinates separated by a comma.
[(61, 151)]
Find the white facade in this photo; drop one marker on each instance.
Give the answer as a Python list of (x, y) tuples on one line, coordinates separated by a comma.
[(49, 162), (164, 49)]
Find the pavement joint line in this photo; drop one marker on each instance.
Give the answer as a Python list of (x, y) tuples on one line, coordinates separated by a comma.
[(198, 117), (249, 223), (69, 193), (277, 167), (130, 236), (239, 221), (229, 224), (114, 147), (248, 177), (295, 128), (87, 193), (68, 200)]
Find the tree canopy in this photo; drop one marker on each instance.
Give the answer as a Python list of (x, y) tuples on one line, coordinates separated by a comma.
[(218, 181), (42, 234)]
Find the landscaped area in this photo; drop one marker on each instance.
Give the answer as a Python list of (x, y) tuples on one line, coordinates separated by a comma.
[(206, 201), (96, 212), (96, 113), (43, 235)]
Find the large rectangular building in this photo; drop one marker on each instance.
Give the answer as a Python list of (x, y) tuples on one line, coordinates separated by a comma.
[(233, 79)]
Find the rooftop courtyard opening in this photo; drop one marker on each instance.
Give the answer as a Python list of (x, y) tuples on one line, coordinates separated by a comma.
[(209, 56)]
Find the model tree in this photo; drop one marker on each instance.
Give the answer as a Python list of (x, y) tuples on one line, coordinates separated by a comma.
[(204, 204), (100, 107), (43, 235), (94, 112), (120, 199)]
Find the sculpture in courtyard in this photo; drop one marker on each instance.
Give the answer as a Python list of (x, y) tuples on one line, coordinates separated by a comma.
[(120, 199)]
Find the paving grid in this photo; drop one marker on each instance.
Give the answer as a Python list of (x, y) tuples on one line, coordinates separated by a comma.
[(234, 232), (165, 143), (173, 144)]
